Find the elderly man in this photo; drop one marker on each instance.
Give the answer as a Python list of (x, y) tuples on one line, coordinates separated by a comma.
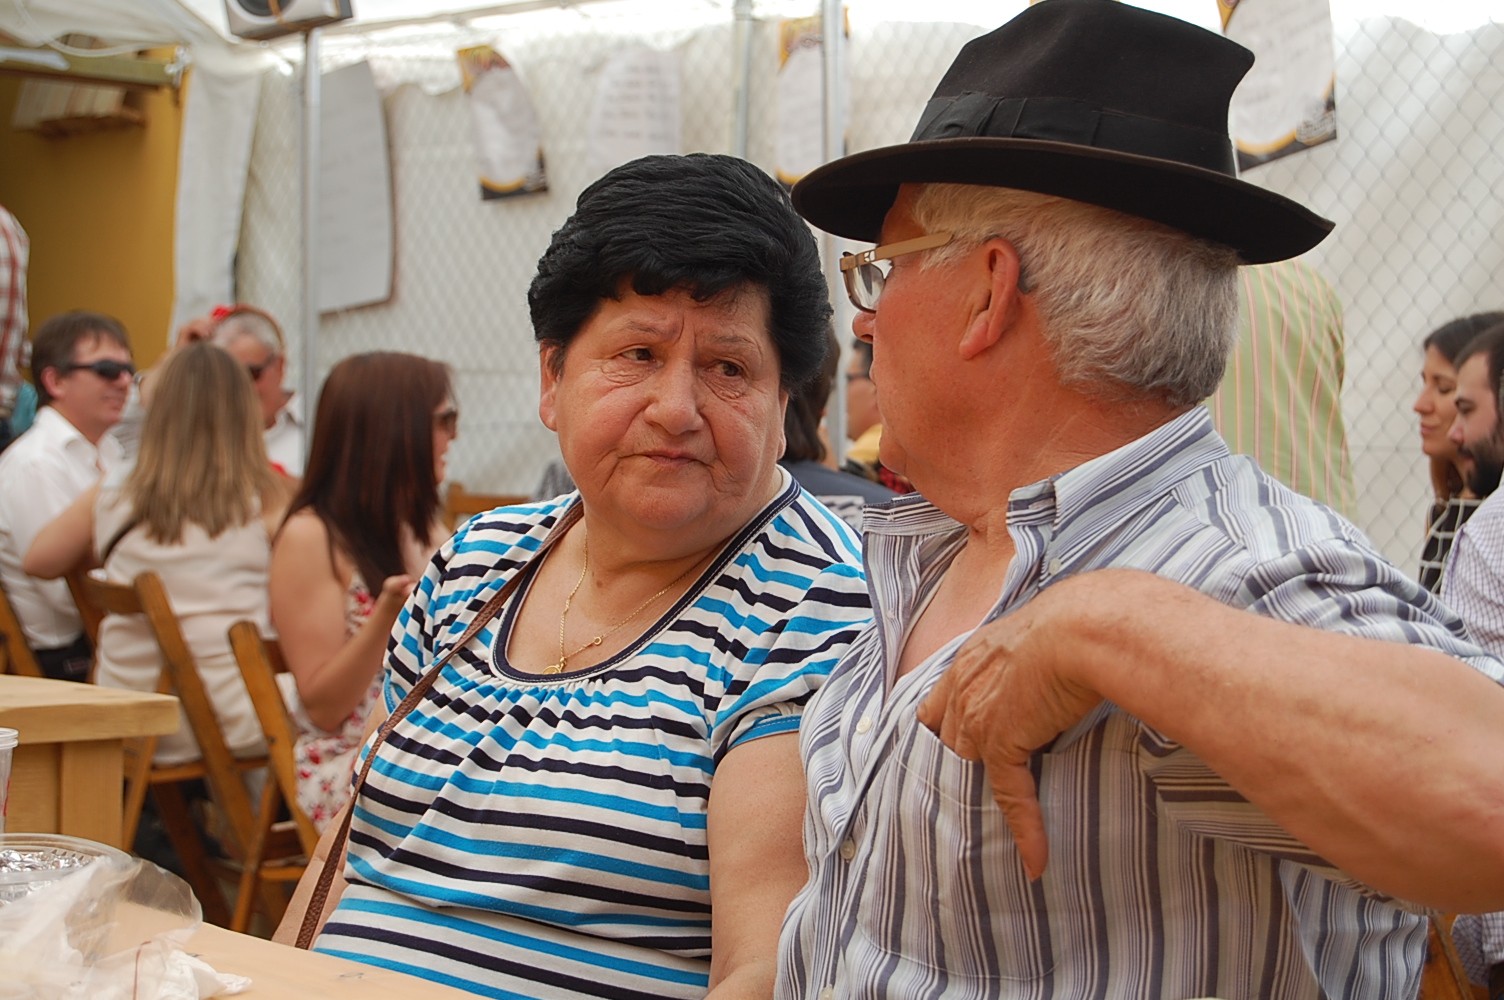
[(81, 366), (1045, 772), (255, 339)]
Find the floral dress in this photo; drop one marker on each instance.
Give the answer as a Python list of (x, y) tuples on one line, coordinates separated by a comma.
[(326, 760)]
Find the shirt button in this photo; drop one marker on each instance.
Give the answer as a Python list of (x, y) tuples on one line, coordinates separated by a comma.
[(827, 994), (1056, 566), (863, 725), (848, 849)]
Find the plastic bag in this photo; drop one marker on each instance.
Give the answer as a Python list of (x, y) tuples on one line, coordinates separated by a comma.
[(113, 929)]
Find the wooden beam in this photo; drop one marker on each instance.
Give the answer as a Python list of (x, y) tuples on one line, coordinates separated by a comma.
[(121, 71)]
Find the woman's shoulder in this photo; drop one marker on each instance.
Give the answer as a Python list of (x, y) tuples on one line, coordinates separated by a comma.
[(302, 530), (302, 547), (501, 538), (801, 532)]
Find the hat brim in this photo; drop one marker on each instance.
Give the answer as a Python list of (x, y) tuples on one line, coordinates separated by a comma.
[(850, 196)]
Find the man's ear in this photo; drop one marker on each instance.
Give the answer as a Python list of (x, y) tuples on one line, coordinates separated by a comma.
[(1000, 311), (783, 422), (52, 381), (548, 386)]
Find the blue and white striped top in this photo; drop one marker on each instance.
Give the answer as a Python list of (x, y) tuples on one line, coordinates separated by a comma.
[(1162, 880), (531, 836)]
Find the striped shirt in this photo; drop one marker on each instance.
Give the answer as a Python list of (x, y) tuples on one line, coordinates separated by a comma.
[(1472, 584), (545, 837), (1162, 880), (1281, 399)]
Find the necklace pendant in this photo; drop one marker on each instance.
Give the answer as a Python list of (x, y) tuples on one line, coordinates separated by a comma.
[(554, 668), (597, 640)]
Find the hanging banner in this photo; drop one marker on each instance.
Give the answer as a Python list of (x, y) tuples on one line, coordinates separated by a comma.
[(507, 137), (800, 138), (636, 108), (1287, 102)]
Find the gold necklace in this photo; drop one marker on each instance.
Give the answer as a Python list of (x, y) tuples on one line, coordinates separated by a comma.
[(558, 668)]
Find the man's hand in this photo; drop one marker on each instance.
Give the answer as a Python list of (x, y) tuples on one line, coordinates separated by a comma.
[(196, 329), (1013, 687)]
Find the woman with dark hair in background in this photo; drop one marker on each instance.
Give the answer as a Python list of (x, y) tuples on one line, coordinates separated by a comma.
[(806, 448), (1454, 503), (359, 532)]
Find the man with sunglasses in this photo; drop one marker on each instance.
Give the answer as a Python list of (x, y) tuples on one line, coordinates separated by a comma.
[(82, 369), (1065, 760)]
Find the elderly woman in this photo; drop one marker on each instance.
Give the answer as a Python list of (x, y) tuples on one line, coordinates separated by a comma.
[(600, 795)]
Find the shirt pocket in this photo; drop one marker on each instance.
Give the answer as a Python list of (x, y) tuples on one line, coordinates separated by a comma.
[(957, 891)]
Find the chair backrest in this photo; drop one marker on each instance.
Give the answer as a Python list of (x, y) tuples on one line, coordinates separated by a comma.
[(460, 503), (147, 596), (15, 654), (89, 613), (260, 661)]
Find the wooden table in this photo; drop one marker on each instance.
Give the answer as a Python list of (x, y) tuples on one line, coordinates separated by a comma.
[(67, 775), (279, 972)]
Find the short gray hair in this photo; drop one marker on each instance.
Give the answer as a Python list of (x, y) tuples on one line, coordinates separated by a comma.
[(248, 321), (1130, 307)]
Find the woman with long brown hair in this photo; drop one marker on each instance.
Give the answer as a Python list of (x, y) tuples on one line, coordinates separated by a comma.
[(359, 532)]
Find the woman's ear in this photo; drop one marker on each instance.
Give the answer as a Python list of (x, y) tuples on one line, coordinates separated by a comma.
[(999, 313), (549, 365)]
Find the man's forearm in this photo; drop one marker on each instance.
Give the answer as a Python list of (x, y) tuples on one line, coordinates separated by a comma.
[(1382, 757)]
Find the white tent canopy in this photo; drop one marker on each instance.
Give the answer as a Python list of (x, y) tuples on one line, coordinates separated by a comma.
[(1412, 180)]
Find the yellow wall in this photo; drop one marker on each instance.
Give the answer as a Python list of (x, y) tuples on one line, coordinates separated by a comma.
[(99, 211)]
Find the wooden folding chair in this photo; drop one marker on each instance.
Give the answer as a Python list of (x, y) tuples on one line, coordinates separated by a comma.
[(217, 767), (90, 613), (460, 503), (260, 661), (15, 654), (1442, 977)]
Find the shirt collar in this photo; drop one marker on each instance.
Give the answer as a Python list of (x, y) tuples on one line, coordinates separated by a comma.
[(60, 429), (291, 412), (1095, 493)]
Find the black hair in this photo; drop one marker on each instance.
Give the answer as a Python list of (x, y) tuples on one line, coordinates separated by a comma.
[(1491, 343), (706, 223), (53, 345), (1450, 338), (801, 420)]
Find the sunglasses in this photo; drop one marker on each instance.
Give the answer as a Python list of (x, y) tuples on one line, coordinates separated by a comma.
[(864, 279), (256, 370), (447, 420), (107, 370)]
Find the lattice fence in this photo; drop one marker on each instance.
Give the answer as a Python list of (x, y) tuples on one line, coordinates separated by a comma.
[(1414, 183)]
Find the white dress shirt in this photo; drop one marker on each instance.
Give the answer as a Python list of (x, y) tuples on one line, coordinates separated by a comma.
[(1472, 584), (284, 438), (40, 475)]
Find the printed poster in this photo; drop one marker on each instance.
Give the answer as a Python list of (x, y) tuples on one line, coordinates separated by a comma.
[(636, 108), (1287, 102), (507, 138)]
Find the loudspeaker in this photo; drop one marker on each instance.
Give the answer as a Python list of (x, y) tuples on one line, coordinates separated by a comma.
[(263, 19)]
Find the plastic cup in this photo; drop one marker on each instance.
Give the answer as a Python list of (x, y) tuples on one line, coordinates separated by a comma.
[(8, 740)]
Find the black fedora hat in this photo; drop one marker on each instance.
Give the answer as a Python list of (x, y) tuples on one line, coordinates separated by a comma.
[(1093, 100)]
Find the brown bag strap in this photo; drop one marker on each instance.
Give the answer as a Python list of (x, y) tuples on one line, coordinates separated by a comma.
[(333, 863)]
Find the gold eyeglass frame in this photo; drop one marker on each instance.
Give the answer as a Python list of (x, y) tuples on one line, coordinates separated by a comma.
[(851, 261)]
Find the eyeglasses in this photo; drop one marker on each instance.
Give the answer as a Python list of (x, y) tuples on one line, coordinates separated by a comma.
[(447, 420), (864, 279), (107, 370)]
